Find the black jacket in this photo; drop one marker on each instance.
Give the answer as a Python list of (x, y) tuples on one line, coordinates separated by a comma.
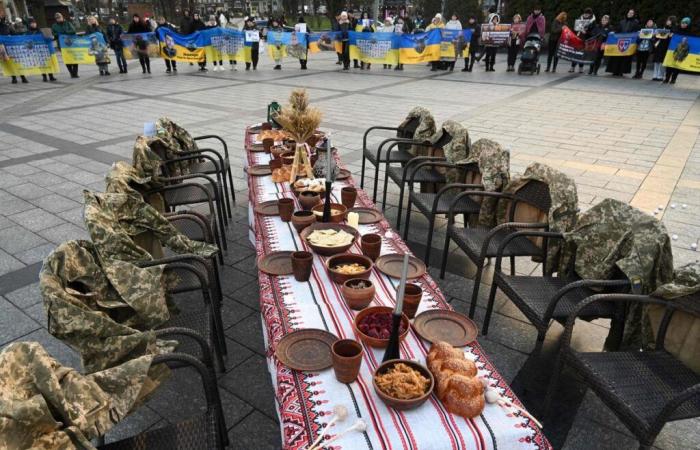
[(33, 31), (197, 25), (186, 25), (628, 25), (4, 27), (114, 36), (93, 29), (139, 27)]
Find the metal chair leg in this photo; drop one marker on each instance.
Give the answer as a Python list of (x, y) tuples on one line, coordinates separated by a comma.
[(512, 266), (386, 188), (362, 171), (408, 219), (429, 244), (376, 182), (475, 291), (233, 191), (489, 309), (398, 214), (445, 251)]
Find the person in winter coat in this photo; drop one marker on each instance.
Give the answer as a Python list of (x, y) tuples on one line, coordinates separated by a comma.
[(5, 29), (255, 45), (18, 27), (114, 39), (388, 27), (336, 27), (600, 32), (473, 44), (10, 29), (367, 27), (34, 29), (619, 65), (661, 42), (683, 30), (139, 26), (274, 25), (535, 23), (588, 19), (400, 27), (452, 24), (490, 49), (644, 47), (197, 25), (297, 28), (170, 65), (98, 50), (186, 22), (344, 26), (67, 28), (554, 35), (513, 45)]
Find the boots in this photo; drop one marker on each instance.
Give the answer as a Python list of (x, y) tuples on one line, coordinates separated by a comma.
[(44, 78)]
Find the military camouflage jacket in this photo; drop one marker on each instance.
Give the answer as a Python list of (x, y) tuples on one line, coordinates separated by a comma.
[(123, 178), (425, 131), (47, 406), (150, 156), (184, 139), (457, 149), (686, 281)]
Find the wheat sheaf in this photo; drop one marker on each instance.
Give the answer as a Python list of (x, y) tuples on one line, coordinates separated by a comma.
[(298, 118)]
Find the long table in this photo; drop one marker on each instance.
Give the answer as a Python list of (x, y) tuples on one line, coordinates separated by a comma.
[(305, 400)]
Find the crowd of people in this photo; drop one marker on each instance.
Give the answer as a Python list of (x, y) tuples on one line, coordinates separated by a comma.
[(649, 50)]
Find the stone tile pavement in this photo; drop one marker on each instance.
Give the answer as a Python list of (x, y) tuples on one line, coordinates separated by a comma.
[(632, 140)]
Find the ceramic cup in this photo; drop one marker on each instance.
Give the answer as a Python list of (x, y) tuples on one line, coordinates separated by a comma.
[(348, 195), (275, 164), (347, 359), (411, 299), (371, 245), (286, 208), (302, 262), (266, 126), (267, 144)]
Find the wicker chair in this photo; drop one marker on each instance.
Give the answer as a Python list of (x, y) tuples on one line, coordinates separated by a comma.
[(400, 173), (544, 298), (197, 227), (644, 389), (204, 431), (404, 137), (479, 243), (431, 204)]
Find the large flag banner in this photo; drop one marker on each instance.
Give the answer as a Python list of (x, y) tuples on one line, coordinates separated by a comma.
[(286, 43), (227, 44), (181, 47), (325, 41), (683, 53), (146, 42), (420, 47), (495, 35), (573, 48), (621, 44), (81, 49), (31, 54), (455, 43), (378, 48)]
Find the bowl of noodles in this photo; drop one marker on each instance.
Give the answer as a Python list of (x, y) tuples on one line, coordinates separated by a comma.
[(403, 384), (329, 239)]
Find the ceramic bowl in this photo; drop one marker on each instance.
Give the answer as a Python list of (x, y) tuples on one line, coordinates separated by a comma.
[(358, 298), (348, 258), (372, 341), (397, 403), (342, 211), (329, 251)]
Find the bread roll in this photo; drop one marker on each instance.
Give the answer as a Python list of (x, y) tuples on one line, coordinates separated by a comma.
[(457, 386)]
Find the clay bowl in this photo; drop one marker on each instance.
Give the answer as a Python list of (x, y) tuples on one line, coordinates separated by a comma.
[(348, 258), (336, 218), (278, 150), (329, 251), (358, 298), (299, 190), (372, 341), (302, 219), (309, 199), (401, 404), (287, 158)]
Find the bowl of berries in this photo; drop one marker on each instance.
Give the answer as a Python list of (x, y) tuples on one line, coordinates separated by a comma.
[(373, 326)]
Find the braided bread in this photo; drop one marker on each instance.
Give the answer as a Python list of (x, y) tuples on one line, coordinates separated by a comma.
[(457, 386)]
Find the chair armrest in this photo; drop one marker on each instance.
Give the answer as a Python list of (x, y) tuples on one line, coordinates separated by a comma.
[(195, 218), (450, 214), (213, 136), (576, 285), (395, 142), (210, 389), (194, 156), (510, 237), (506, 225), (188, 177), (182, 331), (673, 404), (364, 136)]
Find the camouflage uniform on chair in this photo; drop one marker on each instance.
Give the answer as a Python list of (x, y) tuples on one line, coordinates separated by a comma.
[(494, 166), (613, 236), (47, 406), (426, 129), (123, 178), (182, 136), (150, 155), (456, 150)]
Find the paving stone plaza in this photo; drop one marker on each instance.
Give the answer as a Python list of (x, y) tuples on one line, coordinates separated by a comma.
[(631, 140)]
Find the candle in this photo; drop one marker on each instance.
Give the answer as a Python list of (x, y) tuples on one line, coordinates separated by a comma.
[(354, 220)]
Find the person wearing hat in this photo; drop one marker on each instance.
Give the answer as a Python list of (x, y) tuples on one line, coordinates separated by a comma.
[(683, 30), (114, 38), (620, 65), (491, 49), (61, 26), (34, 29), (139, 26)]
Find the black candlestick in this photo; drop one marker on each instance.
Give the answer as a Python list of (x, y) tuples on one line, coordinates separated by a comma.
[(392, 350), (327, 205)]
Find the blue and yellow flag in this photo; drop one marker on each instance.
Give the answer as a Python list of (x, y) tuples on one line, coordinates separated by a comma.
[(286, 43), (621, 44), (181, 47), (325, 41), (227, 44), (135, 43), (81, 49), (420, 47), (683, 53), (455, 43), (31, 54), (378, 48)]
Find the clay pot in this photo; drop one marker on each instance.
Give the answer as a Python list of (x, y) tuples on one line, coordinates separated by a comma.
[(347, 359), (286, 208), (302, 263), (278, 150), (302, 219), (348, 195), (275, 164), (358, 299), (371, 245), (266, 126), (411, 299), (267, 144), (309, 199)]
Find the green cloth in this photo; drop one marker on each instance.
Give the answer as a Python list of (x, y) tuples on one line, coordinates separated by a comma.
[(456, 150), (425, 130), (686, 281), (62, 28), (123, 178)]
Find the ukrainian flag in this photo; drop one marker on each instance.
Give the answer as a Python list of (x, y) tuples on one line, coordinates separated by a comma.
[(683, 53), (285, 43), (80, 49), (621, 44), (325, 41), (420, 48), (226, 44), (377, 48), (455, 43), (31, 54), (130, 42), (181, 47)]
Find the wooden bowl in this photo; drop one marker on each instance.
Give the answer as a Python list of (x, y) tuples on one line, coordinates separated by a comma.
[(336, 218), (358, 299), (302, 219), (372, 341), (278, 150), (348, 258), (397, 403), (329, 251)]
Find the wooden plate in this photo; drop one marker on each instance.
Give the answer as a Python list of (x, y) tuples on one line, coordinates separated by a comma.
[(367, 215), (392, 264), (256, 148), (259, 170), (276, 263), (307, 350), (343, 174), (268, 208), (452, 327)]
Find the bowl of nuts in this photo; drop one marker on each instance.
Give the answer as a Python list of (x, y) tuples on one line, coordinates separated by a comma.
[(346, 266), (358, 293)]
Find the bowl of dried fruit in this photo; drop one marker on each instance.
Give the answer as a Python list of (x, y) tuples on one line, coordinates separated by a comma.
[(403, 384), (329, 239), (358, 293), (346, 266), (373, 326)]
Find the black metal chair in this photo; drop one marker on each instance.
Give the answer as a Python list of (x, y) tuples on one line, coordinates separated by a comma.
[(204, 431), (197, 227), (431, 204), (425, 176), (645, 389), (404, 137), (480, 243), (546, 298)]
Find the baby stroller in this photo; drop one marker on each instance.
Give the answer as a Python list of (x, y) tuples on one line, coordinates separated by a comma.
[(529, 59)]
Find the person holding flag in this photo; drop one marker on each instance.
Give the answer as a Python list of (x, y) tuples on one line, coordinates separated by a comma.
[(619, 65), (491, 49), (139, 26), (170, 65), (586, 22), (473, 43), (683, 30), (600, 32), (644, 48), (13, 30), (34, 29), (554, 35), (344, 27), (274, 26), (66, 28), (661, 42)]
